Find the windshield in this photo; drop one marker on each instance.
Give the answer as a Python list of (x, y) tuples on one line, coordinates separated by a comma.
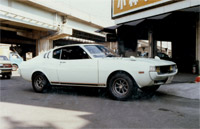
[(99, 51), (3, 58)]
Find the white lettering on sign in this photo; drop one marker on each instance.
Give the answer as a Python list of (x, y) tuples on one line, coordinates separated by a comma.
[(133, 1), (122, 3)]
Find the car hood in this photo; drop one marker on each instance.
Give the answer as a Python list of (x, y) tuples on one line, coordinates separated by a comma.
[(150, 61), (159, 62)]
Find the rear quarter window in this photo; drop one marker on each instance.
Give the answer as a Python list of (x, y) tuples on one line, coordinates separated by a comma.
[(57, 53)]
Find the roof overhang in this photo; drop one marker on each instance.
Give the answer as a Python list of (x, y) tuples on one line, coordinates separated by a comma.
[(112, 29)]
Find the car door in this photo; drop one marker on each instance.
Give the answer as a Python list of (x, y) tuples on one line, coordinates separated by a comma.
[(77, 68), (50, 64)]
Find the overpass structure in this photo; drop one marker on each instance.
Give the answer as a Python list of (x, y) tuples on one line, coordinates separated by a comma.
[(35, 25)]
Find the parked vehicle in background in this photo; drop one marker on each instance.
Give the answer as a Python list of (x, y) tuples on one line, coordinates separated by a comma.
[(15, 59), (91, 65), (5, 67), (159, 54), (163, 56)]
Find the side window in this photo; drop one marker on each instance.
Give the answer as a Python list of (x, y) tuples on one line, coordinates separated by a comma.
[(56, 53), (73, 53)]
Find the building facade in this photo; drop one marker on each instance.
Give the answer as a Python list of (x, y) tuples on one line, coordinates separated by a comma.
[(37, 26), (175, 21)]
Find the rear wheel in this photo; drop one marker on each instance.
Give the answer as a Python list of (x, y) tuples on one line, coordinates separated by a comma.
[(121, 86), (40, 83)]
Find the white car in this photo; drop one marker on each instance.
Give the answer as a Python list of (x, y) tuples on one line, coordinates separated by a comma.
[(92, 65), (5, 67)]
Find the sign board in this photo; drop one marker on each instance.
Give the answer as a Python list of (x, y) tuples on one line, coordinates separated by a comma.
[(122, 7)]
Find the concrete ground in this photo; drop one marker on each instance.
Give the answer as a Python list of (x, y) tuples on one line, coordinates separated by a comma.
[(183, 85), (88, 108), (184, 78), (186, 90)]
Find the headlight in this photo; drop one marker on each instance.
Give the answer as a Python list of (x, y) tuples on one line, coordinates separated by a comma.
[(158, 69), (152, 69), (171, 68)]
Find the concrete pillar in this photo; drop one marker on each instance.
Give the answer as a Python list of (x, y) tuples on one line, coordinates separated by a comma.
[(152, 45), (160, 46), (198, 42), (43, 45), (121, 48), (37, 48)]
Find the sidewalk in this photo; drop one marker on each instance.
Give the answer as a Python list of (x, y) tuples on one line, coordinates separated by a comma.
[(183, 86), (186, 90)]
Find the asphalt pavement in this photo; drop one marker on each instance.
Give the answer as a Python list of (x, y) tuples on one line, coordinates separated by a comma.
[(78, 108), (183, 85)]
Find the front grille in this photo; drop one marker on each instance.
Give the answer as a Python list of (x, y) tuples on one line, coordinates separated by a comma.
[(167, 69)]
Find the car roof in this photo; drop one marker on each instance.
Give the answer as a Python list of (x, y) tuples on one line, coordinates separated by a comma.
[(75, 45)]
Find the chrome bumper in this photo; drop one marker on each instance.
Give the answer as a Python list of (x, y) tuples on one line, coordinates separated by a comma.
[(159, 79)]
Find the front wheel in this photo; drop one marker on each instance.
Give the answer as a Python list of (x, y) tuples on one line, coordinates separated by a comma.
[(121, 86), (39, 83)]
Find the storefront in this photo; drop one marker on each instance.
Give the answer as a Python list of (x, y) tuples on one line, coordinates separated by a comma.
[(175, 21)]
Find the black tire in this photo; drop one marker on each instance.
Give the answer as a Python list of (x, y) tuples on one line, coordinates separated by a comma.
[(8, 76), (121, 86), (3, 76), (40, 83), (150, 89)]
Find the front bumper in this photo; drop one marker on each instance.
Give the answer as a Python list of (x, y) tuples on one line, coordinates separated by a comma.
[(159, 79), (5, 71)]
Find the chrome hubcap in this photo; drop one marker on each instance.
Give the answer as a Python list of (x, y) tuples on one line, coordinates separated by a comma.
[(39, 82), (121, 86)]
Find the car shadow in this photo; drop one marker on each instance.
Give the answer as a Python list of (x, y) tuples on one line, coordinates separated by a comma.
[(98, 93)]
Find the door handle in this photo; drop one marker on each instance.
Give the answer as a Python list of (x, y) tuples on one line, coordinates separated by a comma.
[(62, 62)]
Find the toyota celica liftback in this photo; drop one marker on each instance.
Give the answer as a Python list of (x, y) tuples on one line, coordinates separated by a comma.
[(95, 66)]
